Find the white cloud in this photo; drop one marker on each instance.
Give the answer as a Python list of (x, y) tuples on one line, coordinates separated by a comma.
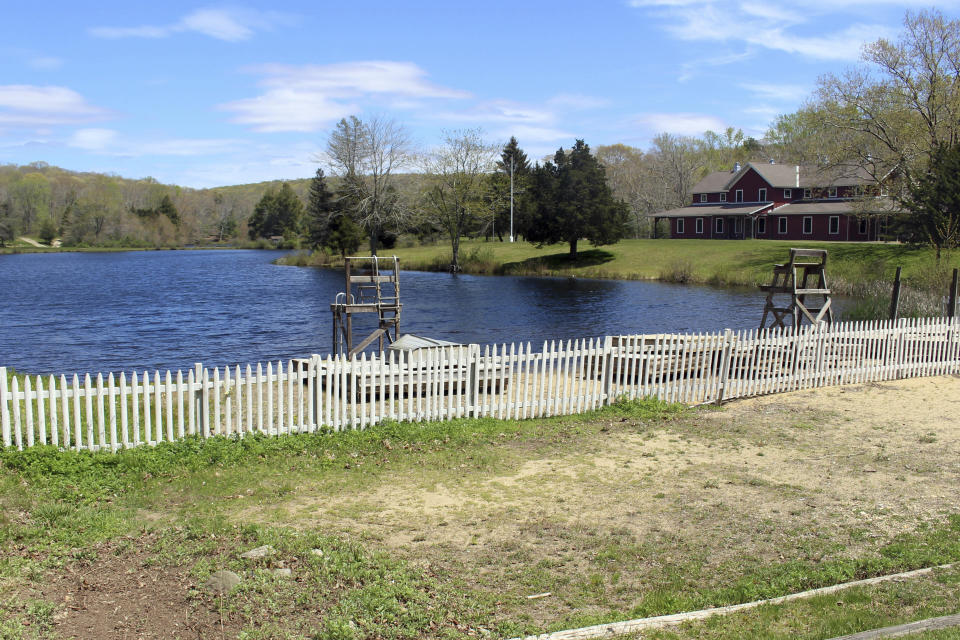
[(780, 92), (131, 32), (684, 124), (311, 97), (773, 25), (231, 25), (110, 142), (31, 105), (92, 139), (534, 135), (577, 101)]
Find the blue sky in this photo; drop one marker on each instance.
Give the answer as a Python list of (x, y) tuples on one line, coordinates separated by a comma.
[(212, 94)]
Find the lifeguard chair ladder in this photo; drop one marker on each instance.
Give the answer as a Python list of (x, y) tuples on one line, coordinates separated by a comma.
[(805, 275), (365, 293)]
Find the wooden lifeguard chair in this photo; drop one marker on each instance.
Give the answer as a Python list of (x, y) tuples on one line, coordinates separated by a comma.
[(372, 286), (805, 275)]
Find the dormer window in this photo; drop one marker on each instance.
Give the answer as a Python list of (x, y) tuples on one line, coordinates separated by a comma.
[(723, 197), (787, 194), (762, 195), (832, 192), (703, 197)]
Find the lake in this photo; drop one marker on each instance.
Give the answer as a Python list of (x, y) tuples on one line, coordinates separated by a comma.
[(147, 310)]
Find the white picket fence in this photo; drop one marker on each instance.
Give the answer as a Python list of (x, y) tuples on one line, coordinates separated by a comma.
[(507, 381)]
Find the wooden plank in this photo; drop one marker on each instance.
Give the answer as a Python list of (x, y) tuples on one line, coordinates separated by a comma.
[(111, 399), (215, 427), (65, 411), (88, 405), (227, 402), (5, 404), (124, 416), (135, 393), (17, 431), (157, 406), (28, 409), (910, 628), (41, 412)]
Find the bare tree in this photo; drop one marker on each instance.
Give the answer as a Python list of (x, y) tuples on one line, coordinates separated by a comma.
[(894, 112), (457, 173), (366, 156)]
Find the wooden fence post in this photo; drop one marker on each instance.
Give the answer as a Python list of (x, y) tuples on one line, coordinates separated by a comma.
[(473, 381), (895, 298), (198, 398), (606, 374), (952, 307), (4, 410), (725, 364)]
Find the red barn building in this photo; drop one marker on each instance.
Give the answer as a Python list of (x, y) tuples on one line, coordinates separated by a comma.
[(780, 202)]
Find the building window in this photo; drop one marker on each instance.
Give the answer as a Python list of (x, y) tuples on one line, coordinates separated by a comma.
[(700, 225), (782, 222), (703, 197), (738, 196), (807, 194), (679, 225), (762, 195), (808, 224), (834, 224), (719, 225), (832, 192), (738, 225), (863, 227), (761, 225), (723, 197), (787, 194)]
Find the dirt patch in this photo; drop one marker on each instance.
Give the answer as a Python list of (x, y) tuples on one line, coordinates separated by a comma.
[(809, 476), (126, 593)]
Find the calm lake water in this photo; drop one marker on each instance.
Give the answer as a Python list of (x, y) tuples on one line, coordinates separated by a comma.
[(90, 312)]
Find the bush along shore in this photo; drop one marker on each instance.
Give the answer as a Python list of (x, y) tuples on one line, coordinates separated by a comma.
[(864, 271)]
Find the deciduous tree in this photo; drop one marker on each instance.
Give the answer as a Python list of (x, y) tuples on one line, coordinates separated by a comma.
[(457, 172), (366, 157)]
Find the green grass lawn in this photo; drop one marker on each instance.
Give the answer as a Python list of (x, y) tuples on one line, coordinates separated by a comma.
[(719, 262), (442, 530)]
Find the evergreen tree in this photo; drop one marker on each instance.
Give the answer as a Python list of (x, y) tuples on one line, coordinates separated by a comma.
[(499, 185), (167, 208), (279, 213), (934, 200), (48, 230), (570, 200), (320, 211), (344, 235)]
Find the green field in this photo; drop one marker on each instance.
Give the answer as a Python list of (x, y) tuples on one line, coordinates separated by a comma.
[(718, 262)]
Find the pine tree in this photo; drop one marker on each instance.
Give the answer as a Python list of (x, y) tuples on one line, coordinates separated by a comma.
[(344, 235), (320, 211), (570, 200), (168, 209)]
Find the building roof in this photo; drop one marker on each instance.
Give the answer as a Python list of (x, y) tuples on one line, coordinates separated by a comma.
[(784, 176), (694, 211), (803, 207), (713, 182)]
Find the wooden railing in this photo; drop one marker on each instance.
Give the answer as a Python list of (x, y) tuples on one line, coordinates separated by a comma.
[(506, 381)]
